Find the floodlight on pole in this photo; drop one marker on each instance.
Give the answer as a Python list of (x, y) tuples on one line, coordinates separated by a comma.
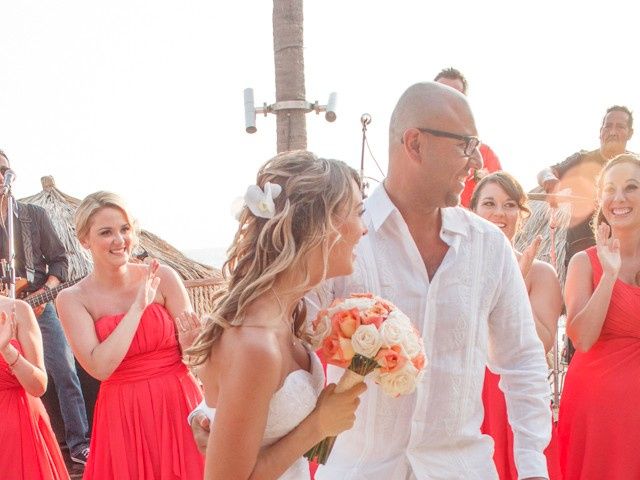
[(250, 109)]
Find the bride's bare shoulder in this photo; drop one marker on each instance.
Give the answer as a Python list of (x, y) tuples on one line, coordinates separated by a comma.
[(246, 347)]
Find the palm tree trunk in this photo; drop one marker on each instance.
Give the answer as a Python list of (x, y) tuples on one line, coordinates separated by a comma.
[(289, 68)]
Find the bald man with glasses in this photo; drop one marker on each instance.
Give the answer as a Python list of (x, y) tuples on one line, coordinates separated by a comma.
[(455, 275)]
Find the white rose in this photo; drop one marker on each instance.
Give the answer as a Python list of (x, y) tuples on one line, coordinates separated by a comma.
[(361, 304), (412, 345), (402, 382), (366, 340), (393, 331), (401, 319), (321, 331)]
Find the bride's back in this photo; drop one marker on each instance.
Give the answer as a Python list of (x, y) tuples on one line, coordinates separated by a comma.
[(263, 338)]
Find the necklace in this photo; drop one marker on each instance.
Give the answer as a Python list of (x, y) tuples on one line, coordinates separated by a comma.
[(291, 325)]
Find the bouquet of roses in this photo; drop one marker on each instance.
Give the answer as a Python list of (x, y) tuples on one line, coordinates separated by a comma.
[(365, 334)]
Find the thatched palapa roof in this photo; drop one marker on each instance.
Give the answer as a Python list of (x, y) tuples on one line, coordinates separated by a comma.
[(200, 280)]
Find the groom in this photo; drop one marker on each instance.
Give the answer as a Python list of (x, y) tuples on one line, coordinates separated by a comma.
[(456, 276)]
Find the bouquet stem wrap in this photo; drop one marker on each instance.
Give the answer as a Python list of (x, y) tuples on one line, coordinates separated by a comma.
[(359, 367)]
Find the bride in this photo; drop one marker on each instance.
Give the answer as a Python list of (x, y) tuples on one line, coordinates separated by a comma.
[(299, 226)]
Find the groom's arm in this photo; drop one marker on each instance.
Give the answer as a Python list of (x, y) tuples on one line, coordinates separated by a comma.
[(517, 355)]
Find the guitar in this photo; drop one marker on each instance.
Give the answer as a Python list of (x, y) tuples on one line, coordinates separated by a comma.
[(50, 295), (42, 297)]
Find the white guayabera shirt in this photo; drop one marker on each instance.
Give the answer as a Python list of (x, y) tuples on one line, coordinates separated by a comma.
[(474, 312)]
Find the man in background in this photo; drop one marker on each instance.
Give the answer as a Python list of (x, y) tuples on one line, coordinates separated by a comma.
[(580, 171), (454, 79)]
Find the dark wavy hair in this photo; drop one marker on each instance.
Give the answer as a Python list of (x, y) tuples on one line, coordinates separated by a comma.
[(509, 184)]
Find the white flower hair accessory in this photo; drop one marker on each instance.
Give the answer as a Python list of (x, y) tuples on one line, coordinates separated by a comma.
[(259, 201)]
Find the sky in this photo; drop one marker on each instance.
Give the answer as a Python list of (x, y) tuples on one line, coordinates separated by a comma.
[(145, 98)]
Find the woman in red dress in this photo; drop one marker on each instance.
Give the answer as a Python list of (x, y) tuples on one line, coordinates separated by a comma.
[(28, 447), (599, 425), (119, 321), (500, 199)]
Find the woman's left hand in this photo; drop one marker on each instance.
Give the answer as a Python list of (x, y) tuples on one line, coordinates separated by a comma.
[(7, 329), (189, 326), (528, 256)]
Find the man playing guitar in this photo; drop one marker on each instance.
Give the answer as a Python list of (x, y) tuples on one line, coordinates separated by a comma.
[(41, 259)]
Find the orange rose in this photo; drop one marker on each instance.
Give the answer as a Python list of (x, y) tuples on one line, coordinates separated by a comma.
[(418, 361), (373, 320), (333, 350), (391, 359), (347, 350), (362, 295), (346, 322)]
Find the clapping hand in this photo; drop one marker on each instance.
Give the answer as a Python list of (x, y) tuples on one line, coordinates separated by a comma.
[(608, 249), (147, 291), (7, 329), (189, 326), (528, 256)]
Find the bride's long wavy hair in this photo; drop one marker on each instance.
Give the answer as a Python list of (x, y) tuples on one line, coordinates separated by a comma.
[(315, 191)]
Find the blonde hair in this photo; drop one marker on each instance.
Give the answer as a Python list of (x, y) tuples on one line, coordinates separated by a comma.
[(92, 204), (629, 158), (314, 191)]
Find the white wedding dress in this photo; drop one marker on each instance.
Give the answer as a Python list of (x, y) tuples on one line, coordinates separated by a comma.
[(291, 404)]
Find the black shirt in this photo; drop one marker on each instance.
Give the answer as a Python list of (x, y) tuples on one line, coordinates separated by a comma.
[(49, 254), (578, 158), (580, 236)]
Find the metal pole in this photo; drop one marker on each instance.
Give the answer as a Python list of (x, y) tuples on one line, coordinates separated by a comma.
[(365, 120), (553, 224), (11, 274)]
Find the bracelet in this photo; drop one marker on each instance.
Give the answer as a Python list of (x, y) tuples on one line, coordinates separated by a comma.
[(16, 360)]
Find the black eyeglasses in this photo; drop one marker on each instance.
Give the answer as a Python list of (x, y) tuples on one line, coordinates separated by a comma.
[(471, 142)]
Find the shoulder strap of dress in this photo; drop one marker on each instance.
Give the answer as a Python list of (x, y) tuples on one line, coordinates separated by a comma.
[(592, 253)]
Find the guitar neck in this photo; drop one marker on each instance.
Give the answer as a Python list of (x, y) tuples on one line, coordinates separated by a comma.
[(49, 295)]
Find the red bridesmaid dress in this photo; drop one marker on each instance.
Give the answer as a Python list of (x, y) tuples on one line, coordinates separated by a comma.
[(496, 425), (490, 163), (28, 447), (140, 429), (599, 424)]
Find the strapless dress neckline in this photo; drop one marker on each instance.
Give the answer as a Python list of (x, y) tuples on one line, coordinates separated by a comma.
[(289, 406)]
